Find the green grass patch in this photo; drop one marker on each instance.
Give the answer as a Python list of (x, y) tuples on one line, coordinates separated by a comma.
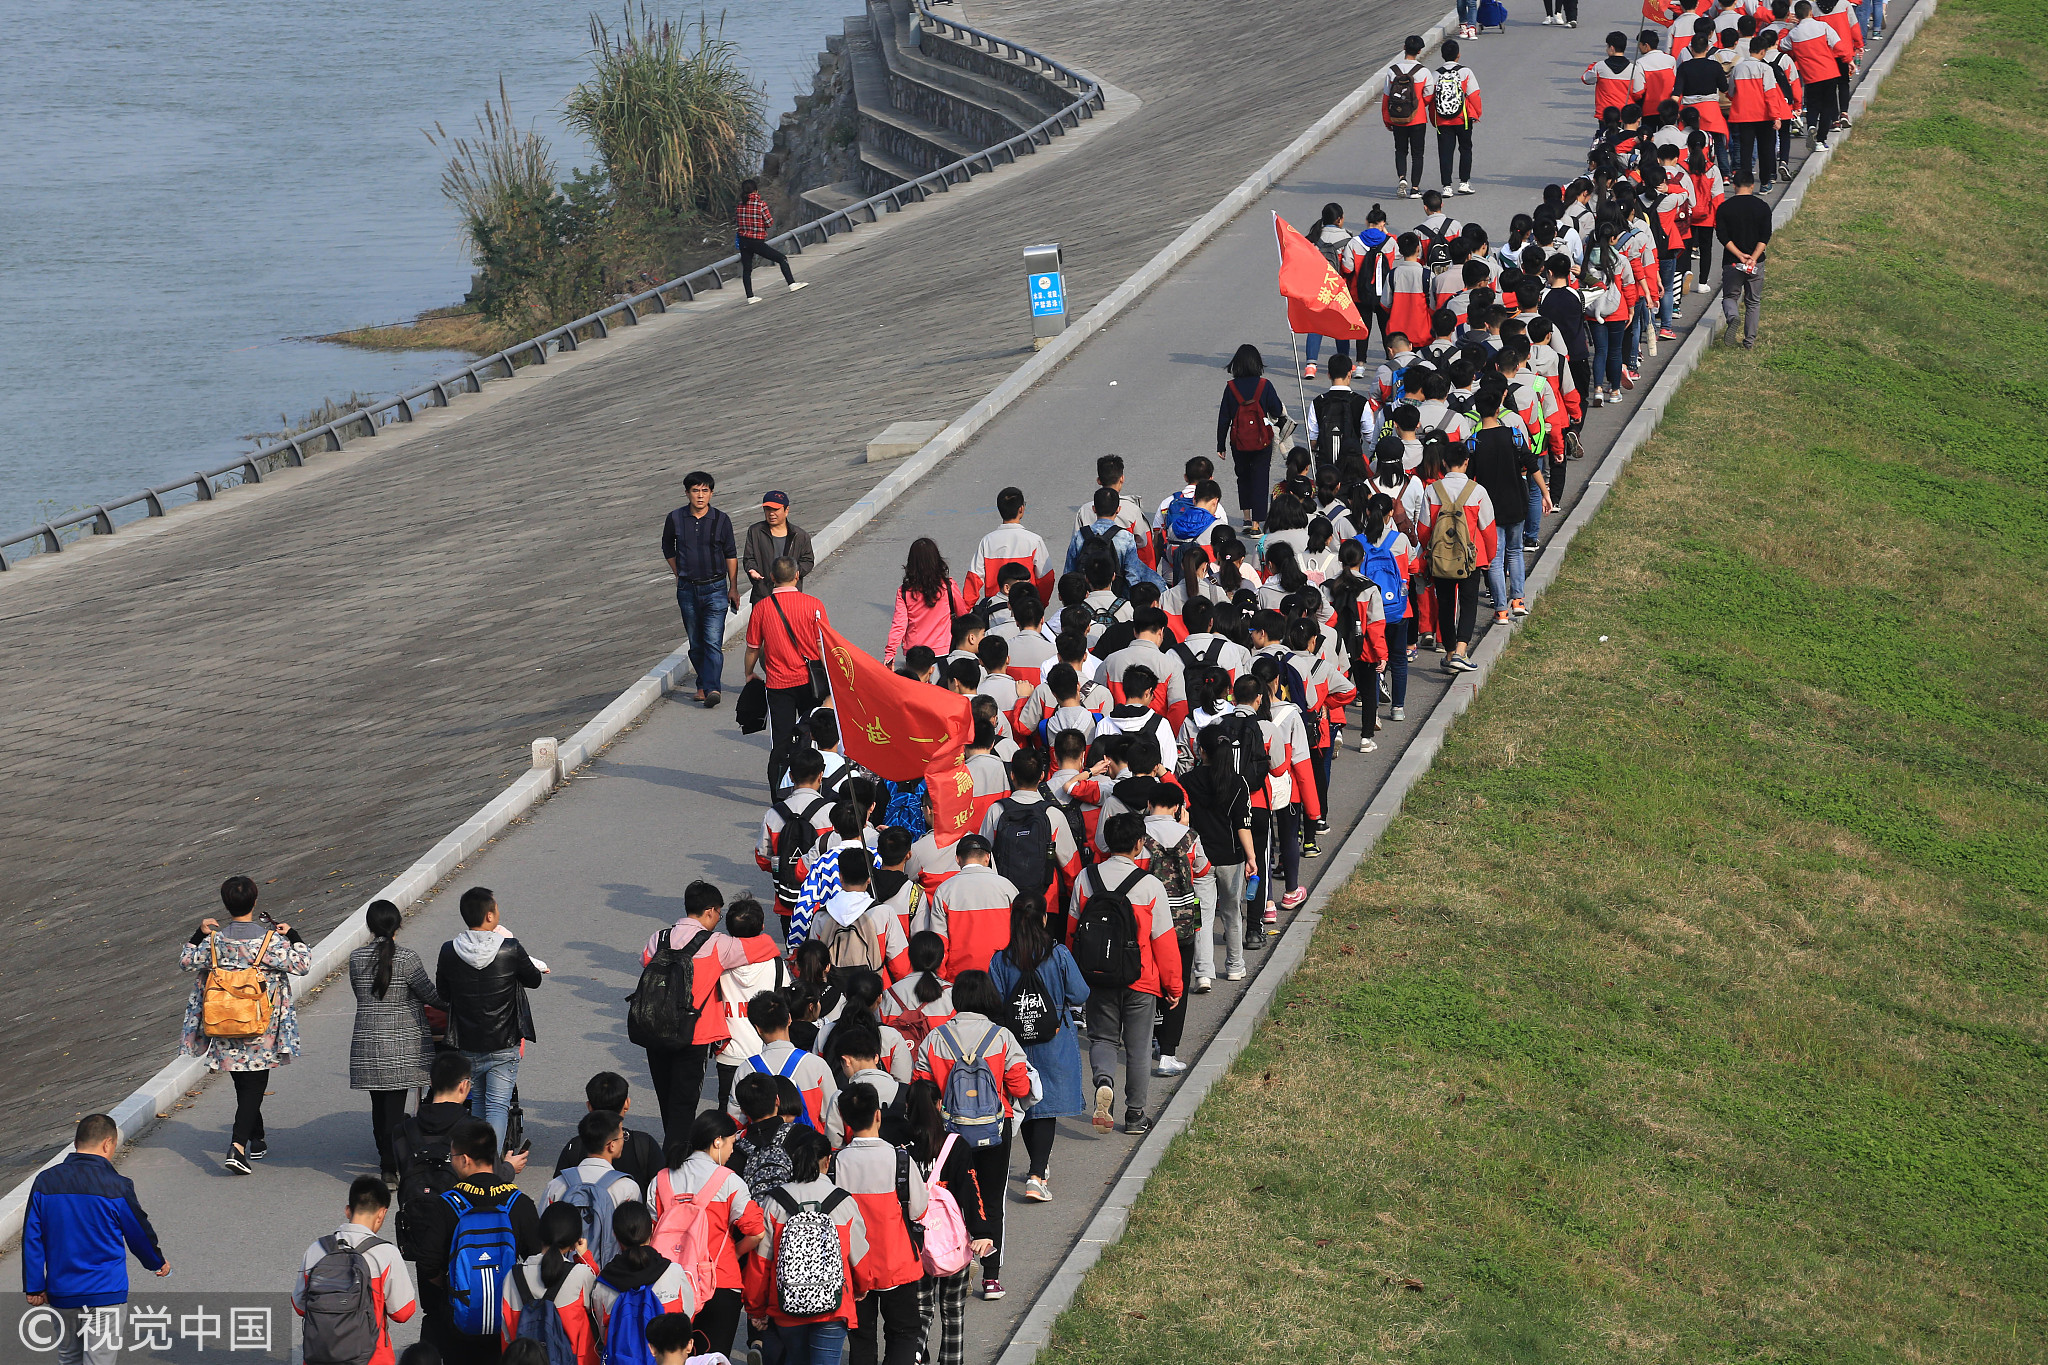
[(1693, 1010)]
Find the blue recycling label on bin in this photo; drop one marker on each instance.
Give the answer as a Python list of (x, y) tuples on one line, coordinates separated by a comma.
[(1048, 295)]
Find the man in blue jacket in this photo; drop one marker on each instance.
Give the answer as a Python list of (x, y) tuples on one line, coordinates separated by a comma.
[(83, 1219)]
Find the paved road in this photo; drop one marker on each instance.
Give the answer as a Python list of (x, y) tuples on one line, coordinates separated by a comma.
[(316, 685), (595, 869)]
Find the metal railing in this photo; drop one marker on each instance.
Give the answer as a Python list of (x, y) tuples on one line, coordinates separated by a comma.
[(439, 393)]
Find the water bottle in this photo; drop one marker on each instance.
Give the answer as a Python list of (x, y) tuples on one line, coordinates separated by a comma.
[(1251, 888)]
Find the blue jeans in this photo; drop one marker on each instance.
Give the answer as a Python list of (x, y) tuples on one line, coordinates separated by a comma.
[(491, 1078), (1533, 526), (703, 606), (1870, 14), (1637, 321), (1397, 660), (812, 1343), (1468, 11), (1315, 346), (1607, 352), (1504, 575)]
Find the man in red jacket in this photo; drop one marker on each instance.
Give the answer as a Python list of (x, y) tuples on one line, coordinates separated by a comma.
[(1412, 126), (679, 1073), (1455, 106), (1124, 1015)]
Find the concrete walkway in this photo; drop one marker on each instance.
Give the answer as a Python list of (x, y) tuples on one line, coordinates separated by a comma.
[(312, 685), (587, 878)]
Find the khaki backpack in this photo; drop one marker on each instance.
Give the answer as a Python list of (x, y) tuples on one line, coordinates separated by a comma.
[(854, 945), (236, 1000), (1453, 555)]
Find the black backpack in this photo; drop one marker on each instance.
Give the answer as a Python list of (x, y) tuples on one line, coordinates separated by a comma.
[(1401, 99), (662, 1011), (1024, 849), (1031, 1015), (426, 1177), (1436, 247), (1249, 759), (796, 838), (340, 1308), (1077, 823), (1106, 942)]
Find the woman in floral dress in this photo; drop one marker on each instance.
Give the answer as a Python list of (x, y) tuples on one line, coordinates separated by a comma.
[(243, 942)]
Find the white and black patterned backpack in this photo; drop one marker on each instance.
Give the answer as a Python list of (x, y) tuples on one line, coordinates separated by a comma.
[(810, 1271)]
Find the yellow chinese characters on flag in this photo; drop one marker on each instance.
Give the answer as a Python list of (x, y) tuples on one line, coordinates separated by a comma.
[(894, 727), (952, 791), (1319, 302)]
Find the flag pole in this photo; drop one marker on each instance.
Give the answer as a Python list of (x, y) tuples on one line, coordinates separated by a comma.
[(1293, 346)]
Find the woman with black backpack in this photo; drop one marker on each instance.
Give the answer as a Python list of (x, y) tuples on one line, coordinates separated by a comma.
[(1040, 985), (1246, 424)]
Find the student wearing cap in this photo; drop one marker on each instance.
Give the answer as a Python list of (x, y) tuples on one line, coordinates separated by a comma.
[(775, 537)]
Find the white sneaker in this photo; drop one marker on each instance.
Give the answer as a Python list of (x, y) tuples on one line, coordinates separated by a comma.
[(1169, 1065), (1367, 745), (799, 284), (1703, 289), (1401, 192), (1465, 187), (1400, 713), (753, 298), (1203, 985), (1237, 975)]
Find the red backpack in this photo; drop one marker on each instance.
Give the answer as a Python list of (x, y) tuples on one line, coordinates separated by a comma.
[(1249, 429)]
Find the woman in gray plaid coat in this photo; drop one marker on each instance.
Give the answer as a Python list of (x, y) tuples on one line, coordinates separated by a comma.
[(393, 1047)]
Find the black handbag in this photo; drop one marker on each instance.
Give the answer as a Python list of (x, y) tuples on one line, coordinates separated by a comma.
[(814, 669), (751, 711)]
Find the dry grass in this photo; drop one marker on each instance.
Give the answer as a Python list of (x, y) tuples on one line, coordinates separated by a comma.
[(1693, 1010)]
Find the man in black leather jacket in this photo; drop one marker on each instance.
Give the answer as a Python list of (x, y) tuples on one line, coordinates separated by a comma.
[(484, 975)]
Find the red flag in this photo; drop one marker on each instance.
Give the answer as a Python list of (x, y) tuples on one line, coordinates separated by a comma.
[(894, 727), (952, 792), (1318, 300)]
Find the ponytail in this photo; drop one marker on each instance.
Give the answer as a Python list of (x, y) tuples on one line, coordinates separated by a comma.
[(383, 920)]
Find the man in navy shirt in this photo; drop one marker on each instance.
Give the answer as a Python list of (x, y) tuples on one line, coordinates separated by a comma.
[(81, 1222), (697, 541)]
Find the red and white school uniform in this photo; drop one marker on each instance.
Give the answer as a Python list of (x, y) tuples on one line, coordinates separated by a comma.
[(1750, 82), (571, 1301), (1010, 544), (1154, 916), (809, 1074), (1478, 508), (1775, 94), (1842, 19), (1405, 296), (391, 1292), (866, 1169), (972, 913), (968, 1034), (721, 953), (732, 1214), (1815, 46), (855, 1254), (1655, 75), (1612, 79)]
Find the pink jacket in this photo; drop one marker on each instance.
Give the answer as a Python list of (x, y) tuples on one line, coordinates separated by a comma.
[(917, 624)]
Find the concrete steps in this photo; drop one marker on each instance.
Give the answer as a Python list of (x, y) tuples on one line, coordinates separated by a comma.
[(926, 101)]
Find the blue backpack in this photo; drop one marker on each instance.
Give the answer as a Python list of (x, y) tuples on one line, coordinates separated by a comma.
[(625, 1337), (973, 1101), (593, 1202), (788, 1072), (481, 1254), (541, 1321), (1385, 573)]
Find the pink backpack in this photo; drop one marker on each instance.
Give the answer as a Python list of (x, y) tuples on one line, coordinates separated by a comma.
[(945, 1232), (684, 1233)]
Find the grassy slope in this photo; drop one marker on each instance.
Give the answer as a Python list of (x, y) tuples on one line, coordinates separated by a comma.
[(1693, 1011)]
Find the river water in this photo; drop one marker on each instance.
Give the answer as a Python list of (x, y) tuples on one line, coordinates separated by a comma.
[(186, 186)]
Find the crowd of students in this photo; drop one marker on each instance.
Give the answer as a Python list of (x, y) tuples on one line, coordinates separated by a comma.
[(1157, 700)]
